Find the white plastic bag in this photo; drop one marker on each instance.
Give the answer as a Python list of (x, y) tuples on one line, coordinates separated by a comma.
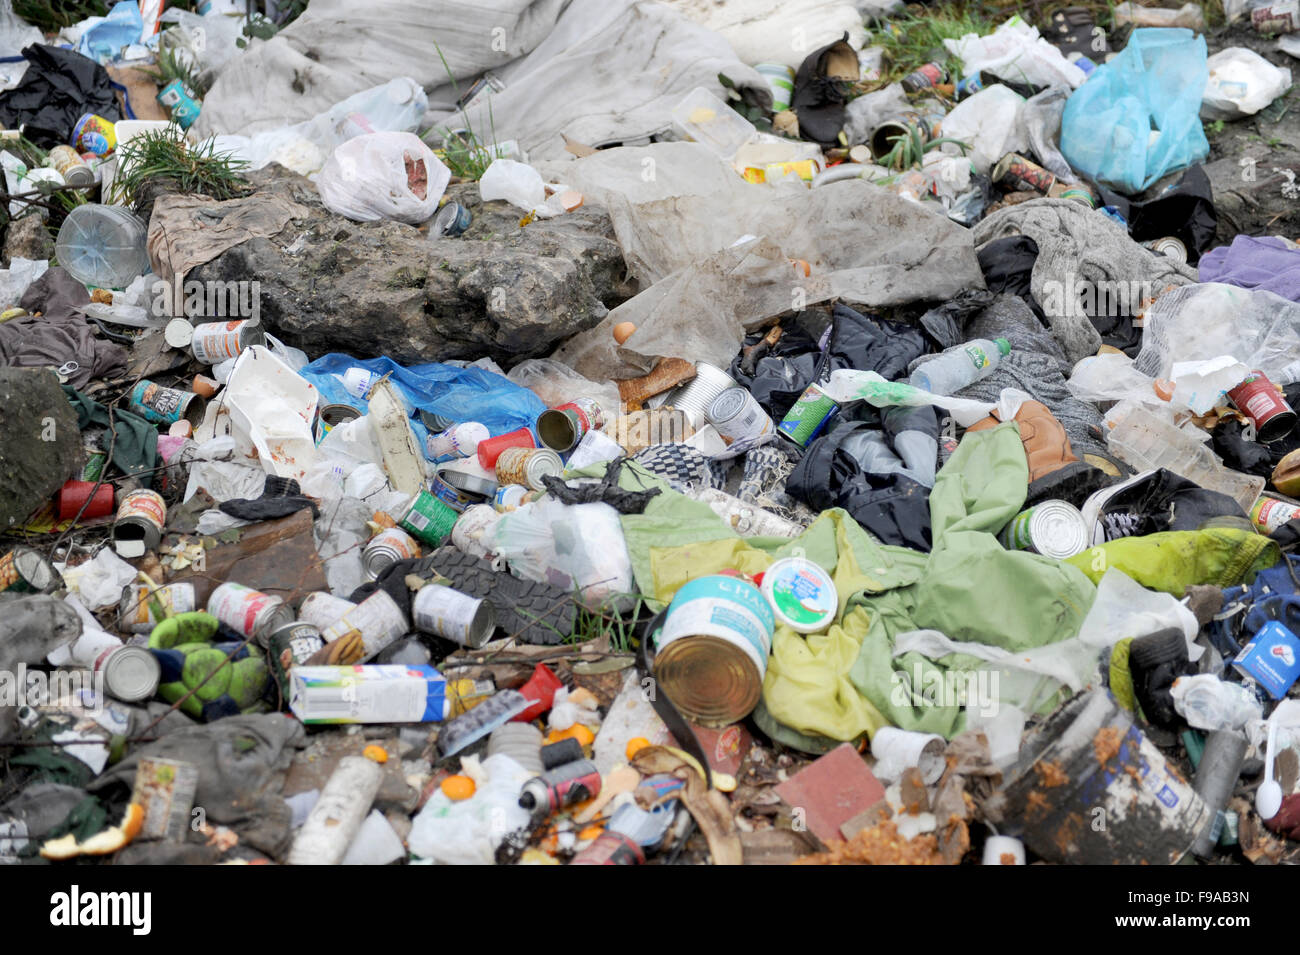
[(467, 832), (367, 179), (520, 185), (1210, 704), (992, 122), (1015, 51), (1124, 608), (577, 547), (1241, 83)]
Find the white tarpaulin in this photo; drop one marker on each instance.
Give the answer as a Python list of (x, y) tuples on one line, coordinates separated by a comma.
[(610, 72), (781, 31), (340, 47)]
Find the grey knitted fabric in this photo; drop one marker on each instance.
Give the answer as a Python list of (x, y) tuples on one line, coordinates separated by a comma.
[(1036, 365), (1079, 245)]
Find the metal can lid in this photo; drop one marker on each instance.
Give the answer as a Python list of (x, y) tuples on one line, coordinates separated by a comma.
[(1057, 529), (34, 568), (178, 333), (541, 462), (727, 405), (131, 673), (466, 482)]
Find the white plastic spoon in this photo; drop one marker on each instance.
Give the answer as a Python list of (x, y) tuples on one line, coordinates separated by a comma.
[(1268, 798)]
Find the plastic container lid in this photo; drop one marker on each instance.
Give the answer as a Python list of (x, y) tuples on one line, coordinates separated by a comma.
[(711, 122), (802, 595)]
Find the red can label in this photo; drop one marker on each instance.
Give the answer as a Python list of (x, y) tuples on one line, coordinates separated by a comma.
[(1258, 399)]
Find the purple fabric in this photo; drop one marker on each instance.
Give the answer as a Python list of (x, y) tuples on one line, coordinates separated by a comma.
[(1255, 262)]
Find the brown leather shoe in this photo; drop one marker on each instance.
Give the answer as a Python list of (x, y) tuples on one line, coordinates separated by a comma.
[(1047, 446)]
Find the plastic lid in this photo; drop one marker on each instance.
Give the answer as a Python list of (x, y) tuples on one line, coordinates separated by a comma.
[(1004, 346)]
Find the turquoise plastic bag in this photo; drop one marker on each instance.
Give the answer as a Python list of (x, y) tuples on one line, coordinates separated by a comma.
[(1138, 116)]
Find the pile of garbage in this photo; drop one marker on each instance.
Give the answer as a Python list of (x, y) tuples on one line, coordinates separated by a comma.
[(639, 441)]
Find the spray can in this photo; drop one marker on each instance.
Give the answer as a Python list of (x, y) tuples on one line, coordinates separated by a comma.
[(563, 786)]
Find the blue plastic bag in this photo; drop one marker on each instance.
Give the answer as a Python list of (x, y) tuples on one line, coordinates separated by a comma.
[(105, 41), (460, 394), (1154, 86)]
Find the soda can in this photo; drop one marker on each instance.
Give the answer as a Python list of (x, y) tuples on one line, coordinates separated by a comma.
[(177, 99), (737, 416), (428, 519), (924, 77), (378, 619), (473, 530), (563, 786), (611, 848), (970, 86), (780, 80), (26, 571), (94, 134), (1052, 528), (1024, 175), (1080, 195), (96, 460), (131, 673), (453, 615), (1270, 513), (808, 417), (452, 220), (322, 608), (136, 611), (215, 342), (387, 548), (1259, 399), (248, 612), (165, 789), (510, 497), (330, 417), (527, 466), (140, 518), (291, 645), (456, 442), (74, 170), (1169, 247), (161, 405)]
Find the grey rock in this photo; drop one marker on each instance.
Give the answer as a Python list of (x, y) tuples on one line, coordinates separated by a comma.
[(384, 288), (27, 238), (40, 445), (1255, 192), (33, 625)]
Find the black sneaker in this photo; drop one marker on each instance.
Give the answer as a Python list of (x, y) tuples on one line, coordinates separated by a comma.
[(821, 88), (534, 612)]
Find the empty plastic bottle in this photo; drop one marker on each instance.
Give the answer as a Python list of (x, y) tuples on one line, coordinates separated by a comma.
[(954, 370), (102, 246)]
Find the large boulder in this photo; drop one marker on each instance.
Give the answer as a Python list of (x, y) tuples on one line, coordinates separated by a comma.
[(383, 288), (40, 444)]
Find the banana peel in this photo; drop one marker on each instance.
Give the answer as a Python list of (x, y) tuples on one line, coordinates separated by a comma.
[(345, 651), (1286, 476), (710, 809)]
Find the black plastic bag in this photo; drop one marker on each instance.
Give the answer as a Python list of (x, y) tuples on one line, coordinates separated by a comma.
[(59, 87), (1185, 212)]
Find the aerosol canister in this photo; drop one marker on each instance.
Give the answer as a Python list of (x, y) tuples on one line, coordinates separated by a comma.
[(563, 786)]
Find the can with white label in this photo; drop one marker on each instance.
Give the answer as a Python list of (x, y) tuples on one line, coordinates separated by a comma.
[(135, 611), (321, 609), (248, 612), (378, 619), (215, 342), (738, 417), (387, 548), (453, 615)]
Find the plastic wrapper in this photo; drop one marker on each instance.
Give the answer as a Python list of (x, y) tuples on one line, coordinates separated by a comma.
[(1124, 608), (1210, 704), (467, 832), (555, 383), (377, 176), (1198, 322)]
